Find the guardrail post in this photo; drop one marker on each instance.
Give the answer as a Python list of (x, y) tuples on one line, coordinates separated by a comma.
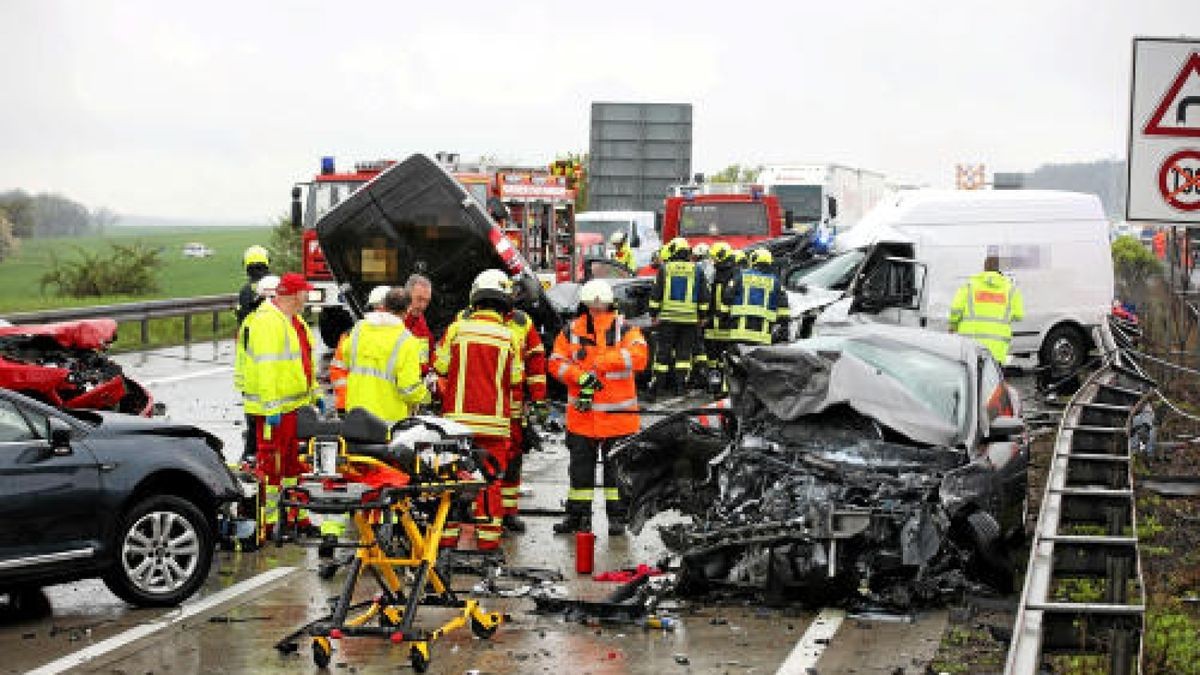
[(145, 329), (216, 325)]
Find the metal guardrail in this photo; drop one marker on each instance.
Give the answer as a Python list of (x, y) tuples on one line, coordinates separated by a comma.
[(142, 312), (1087, 527)]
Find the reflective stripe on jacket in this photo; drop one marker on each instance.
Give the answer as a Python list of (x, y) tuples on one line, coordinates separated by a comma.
[(614, 353), (273, 376), (383, 368), (337, 373), (480, 359), (984, 308), (756, 301), (680, 293)]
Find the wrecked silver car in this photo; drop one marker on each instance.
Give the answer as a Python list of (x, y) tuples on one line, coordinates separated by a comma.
[(885, 464)]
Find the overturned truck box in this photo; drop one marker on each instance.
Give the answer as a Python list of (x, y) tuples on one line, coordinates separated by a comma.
[(416, 218), (884, 465)]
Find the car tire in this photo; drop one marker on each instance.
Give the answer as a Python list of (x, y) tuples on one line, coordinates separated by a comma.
[(162, 552), (995, 562), (1064, 350)]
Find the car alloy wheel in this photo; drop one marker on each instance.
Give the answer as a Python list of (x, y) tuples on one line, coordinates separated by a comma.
[(160, 552)]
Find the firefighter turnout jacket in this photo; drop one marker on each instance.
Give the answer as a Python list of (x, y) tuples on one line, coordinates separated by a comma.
[(533, 357), (614, 352), (274, 379), (680, 293), (480, 358), (383, 367), (753, 302), (720, 326), (984, 308)]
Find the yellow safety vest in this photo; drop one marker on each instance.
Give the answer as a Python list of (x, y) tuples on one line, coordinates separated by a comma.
[(273, 378), (681, 298), (984, 308), (383, 370), (754, 307)]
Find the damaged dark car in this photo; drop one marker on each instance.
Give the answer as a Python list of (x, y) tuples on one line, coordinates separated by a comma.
[(885, 465)]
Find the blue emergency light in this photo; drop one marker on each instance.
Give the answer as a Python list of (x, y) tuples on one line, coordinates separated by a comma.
[(327, 165)]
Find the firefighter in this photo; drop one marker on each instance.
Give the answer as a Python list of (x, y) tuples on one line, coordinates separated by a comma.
[(985, 307), (699, 353), (257, 262), (337, 365), (621, 251), (755, 301), (480, 360), (265, 289), (278, 379), (528, 399), (678, 305), (716, 334), (597, 356)]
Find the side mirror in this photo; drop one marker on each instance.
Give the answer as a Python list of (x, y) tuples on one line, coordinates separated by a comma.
[(658, 222), (297, 212), (789, 220), (832, 207), (1005, 428), (60, 436), (635, 240)]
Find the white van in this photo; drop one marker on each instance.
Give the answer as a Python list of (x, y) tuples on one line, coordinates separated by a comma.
[(903, 263), (638, 227)]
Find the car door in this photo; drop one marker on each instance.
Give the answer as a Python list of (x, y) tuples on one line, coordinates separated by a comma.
[(48, 495)]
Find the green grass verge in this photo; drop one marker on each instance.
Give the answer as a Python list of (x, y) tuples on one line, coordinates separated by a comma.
[(180, 277)]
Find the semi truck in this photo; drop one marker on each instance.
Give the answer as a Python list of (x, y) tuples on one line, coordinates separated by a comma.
[(832, 195)]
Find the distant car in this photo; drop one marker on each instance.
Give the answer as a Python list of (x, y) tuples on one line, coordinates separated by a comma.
[(86, 494), (197, 250), (887, 462), (65, 365)]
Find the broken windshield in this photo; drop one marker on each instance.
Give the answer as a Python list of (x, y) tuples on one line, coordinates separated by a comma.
[(834, 273)]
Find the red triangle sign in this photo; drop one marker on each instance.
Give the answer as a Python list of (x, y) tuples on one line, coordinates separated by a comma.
[(1180, 111)]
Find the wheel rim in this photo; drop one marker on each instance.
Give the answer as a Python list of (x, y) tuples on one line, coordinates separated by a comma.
[(161, 552), (1063, 352)]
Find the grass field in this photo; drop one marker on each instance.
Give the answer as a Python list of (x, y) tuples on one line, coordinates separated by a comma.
[(179, 277)]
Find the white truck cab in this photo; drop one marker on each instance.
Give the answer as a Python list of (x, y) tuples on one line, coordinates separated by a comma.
[(903, 263)]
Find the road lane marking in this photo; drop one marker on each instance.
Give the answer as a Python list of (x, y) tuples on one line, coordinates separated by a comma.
[(812, 644), (239, 593), (186, 376)]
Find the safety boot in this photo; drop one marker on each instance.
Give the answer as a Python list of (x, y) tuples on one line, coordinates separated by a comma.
[(616, 528), (513, 524)]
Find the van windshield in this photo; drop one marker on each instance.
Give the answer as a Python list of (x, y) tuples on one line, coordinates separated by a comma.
[(604, 228), (835, 273), (804, 201)]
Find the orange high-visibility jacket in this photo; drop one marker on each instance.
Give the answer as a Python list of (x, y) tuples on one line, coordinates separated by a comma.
[(338, 373), (480, 359), (614, 353)]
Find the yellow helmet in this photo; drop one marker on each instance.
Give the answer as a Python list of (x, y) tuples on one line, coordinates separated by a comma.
[(720, 251), (679, 246), (256, 255), (739, 256), (761, 256)]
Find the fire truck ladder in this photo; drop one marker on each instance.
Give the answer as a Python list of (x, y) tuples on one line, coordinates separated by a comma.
[(1087, 528)]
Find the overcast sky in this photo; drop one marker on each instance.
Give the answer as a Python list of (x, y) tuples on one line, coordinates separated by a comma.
[(213, 109)]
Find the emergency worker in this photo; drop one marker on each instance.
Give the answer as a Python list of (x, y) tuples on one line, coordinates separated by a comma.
[(420, 294), (755, 301), (717, 334), (479, 359), (528, 400), (678, 305), (256, 261), (278, 379), (265, 289), (337, 365), (383, 361), (621, 251), (985, 307), (597, 356)]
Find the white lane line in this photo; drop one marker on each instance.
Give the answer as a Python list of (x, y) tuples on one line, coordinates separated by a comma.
[(186, 376), (238, 593), (812, 644)]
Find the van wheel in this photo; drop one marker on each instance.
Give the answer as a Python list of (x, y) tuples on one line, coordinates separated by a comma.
[(1064, 349)]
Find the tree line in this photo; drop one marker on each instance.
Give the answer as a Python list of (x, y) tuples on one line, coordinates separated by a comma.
[(51, 215)]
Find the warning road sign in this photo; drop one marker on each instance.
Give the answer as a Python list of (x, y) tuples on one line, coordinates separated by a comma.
[(1164, 132), (1179, 180)]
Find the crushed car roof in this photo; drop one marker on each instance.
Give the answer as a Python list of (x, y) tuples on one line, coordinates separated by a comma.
[(82, 334)]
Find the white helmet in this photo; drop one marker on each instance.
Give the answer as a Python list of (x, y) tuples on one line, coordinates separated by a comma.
[(596, 292), (491, 284), (700, 250), (617, 238), (375, 298), (266, 286)]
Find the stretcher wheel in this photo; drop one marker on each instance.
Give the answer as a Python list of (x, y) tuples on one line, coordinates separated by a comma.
[(481, 631), (419, 656), (322, 652)]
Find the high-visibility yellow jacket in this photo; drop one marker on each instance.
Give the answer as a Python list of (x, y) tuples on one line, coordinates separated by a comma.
[(383, 367), (754, 301), (680, 293), (624, 255), (984, 308), (273, 377)]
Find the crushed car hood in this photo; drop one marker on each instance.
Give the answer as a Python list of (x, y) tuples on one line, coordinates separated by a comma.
[(82, 334)]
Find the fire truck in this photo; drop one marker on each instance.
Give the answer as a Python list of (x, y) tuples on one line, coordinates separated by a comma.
[(740, 215), (534, 209)]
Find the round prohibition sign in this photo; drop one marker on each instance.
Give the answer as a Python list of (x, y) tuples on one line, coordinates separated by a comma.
[(1179, 180)]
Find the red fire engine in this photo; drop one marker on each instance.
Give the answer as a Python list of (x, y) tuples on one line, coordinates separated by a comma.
[(736, 214)]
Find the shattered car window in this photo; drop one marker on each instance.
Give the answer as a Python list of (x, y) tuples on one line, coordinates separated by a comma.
[(939, 383), (835, 273)]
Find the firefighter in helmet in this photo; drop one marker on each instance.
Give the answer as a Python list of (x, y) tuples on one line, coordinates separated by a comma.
[(678, 306), (621, 251), (755, 302), (257, 263)]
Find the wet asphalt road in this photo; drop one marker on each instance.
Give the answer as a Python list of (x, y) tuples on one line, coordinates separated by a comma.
[(195, 384)]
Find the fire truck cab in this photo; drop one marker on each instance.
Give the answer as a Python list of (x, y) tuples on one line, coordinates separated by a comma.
[(739, 215)]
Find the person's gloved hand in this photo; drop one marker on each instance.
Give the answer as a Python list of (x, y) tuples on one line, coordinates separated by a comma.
[(590, 381), (539, 412), (274, 420), (583, 402)]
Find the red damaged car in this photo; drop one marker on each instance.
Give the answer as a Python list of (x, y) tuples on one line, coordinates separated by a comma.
[(65, 365)]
